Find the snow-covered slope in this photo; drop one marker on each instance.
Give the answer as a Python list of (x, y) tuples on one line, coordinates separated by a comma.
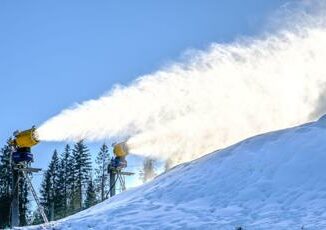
[(271, 181)]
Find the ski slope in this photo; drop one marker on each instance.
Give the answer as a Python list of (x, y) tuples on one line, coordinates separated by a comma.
[(271, 181)]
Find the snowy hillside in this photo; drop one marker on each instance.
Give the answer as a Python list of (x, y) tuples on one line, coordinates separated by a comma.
[(271, 181)]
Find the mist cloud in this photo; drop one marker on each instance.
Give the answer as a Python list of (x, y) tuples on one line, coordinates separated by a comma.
[(215, 98)]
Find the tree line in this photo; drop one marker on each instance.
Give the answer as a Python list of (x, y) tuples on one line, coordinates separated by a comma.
[(71, 183)]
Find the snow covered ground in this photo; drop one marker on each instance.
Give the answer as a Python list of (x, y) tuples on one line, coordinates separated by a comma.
[(271, 181)]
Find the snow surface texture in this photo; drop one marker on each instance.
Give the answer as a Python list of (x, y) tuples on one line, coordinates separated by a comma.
[(271, 181)]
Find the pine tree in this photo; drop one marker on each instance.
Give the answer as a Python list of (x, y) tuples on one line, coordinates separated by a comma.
[(90, 195), (72, 187), (102, 161), (46, 193), (5, 170), (5, 186), (60, 202), (54, 173), (82, 170), (148, 171), (50, 188), (63, 183), (36, 218)]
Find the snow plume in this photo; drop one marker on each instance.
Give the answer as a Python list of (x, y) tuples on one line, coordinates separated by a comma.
[(216, 98)]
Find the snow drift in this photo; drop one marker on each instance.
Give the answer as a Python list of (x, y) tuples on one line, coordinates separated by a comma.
[(211, 100), (271, 181)]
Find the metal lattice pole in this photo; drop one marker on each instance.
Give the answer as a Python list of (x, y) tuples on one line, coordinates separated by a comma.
[(40, 207), (122, 182)]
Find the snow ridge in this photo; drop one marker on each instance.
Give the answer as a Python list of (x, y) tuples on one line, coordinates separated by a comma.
[(271, 181)]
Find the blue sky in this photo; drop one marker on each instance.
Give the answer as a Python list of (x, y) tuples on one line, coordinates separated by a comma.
[(56, 53)]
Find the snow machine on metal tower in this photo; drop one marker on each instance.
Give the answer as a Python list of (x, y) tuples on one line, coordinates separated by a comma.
[(117, 164), (21, 157)]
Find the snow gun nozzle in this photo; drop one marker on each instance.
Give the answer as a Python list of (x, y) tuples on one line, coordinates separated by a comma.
[(25, 139), (120, 149)]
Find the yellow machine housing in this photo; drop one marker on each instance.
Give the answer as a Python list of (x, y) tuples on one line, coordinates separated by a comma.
[(26, 138), (120, 149)]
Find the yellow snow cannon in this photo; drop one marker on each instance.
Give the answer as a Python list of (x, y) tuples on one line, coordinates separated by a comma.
[(119, 162), (25, 139), (21, 144), (120, 149)]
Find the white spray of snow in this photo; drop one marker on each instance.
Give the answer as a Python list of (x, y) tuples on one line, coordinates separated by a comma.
[(216, 98)]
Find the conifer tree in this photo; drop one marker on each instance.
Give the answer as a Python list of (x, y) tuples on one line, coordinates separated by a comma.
[(50, 188), (63, 182), (46, 193), (90, 195), (36, 218), (82, 170), (5, 186), (102, 161), (72, 187), (5, 170), (55, 191)]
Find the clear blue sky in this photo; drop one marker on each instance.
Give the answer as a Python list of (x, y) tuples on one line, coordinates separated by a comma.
[(56, 53)]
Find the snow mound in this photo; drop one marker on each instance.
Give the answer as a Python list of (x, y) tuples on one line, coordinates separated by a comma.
[(271, 181)]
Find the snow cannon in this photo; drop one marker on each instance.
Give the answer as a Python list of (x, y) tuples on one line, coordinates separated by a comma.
[(22, 143), (25, 139), (120, 149), (120, 152)]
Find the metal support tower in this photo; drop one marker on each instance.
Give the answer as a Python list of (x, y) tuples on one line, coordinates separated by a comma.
[(117, 176), (30, 185), (20, 172)]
